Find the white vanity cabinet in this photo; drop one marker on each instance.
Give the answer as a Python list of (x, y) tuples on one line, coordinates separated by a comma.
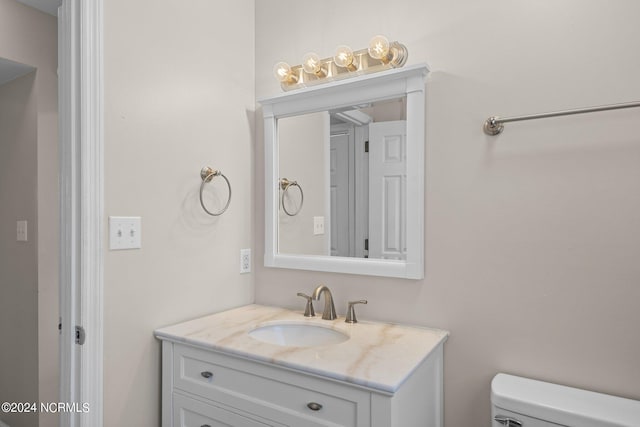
[(215, 374), (207, 388)]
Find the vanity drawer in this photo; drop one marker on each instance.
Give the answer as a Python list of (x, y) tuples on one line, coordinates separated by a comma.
[(189, 412), (270, 392)]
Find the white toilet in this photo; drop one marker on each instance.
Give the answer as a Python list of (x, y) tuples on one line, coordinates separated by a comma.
[(521, 402)]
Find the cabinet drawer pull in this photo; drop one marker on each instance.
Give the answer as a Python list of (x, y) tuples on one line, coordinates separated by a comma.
[(205, 425), (206, 374), (314, 406)]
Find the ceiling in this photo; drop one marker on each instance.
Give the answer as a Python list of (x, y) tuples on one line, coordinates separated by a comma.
[(10, 70), (46, 6)]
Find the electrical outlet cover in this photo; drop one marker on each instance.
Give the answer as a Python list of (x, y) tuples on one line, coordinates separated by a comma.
[(245, 261)]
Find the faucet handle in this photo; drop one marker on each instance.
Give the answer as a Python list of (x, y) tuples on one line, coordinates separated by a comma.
[(351, 312), (308, 309)]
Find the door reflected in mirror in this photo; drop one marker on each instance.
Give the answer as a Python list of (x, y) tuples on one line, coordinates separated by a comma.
[(349, 168)]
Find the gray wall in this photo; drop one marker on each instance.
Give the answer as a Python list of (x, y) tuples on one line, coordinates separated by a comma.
[(179, 95), (532, 238), (302, 158), (18, 260), (30, 37)]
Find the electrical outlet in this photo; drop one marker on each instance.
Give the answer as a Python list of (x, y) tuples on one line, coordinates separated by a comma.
[(245, 261), (125, 232), (318, 225)]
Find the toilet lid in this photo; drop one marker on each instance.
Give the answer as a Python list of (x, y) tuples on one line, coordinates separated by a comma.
[(563, 405)]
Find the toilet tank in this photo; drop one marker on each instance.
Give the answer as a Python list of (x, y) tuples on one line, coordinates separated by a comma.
[(523, 402)]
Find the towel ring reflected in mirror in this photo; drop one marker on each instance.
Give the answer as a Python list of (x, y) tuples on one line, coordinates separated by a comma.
[(207, 174), (285, 185)]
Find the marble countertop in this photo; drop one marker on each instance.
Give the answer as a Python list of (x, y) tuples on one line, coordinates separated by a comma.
[(377, 355)]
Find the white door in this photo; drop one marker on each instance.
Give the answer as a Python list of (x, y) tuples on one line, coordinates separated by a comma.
[(387, 189), (341, 193)]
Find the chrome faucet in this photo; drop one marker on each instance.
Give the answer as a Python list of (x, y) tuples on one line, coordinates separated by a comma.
[(329, 312)]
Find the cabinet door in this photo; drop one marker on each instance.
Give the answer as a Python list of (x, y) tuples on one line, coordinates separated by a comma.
[(189, 412)]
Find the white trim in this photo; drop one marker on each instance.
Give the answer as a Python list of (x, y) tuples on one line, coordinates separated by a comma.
[(271, 195), (167, 383), (92, 199), (82, 195), (409, 82), (361, 134), (67, 136), (327, 183)]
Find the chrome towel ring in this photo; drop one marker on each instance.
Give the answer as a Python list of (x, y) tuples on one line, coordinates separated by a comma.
[(285, 185), (207, 174)]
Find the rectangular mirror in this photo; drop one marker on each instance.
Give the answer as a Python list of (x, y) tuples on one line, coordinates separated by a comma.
[(345, 169), (344, 176)]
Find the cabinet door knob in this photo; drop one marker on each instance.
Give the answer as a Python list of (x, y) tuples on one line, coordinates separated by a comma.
[(314, 406), (206, 374)]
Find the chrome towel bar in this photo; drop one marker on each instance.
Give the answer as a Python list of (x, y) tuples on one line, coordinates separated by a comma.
[(495, 125)]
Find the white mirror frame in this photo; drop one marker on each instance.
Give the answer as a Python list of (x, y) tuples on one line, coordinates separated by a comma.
[(396, 83)]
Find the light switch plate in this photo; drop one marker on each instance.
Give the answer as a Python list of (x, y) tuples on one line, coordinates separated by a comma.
[(318, 225), (125, 232), (21, 231)]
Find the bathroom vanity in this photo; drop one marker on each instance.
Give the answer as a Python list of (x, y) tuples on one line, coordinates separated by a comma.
[(267, 366)]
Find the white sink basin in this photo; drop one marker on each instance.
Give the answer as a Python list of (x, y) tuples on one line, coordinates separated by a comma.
[(297, 334)]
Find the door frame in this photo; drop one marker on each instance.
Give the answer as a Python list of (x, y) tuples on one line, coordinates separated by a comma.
[(81, 161), (348, 130)]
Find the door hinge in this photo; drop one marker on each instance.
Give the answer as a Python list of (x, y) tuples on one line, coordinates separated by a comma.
[(366, 146), (80, 335)]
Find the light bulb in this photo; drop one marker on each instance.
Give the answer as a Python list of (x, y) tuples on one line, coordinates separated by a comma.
[(312, 65), (282, 71), (379, 48), (344, 58)]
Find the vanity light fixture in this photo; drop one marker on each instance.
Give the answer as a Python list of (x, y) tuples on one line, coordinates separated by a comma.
[(388, 53), (283, 73), (379, 56), (311, 64), (344, 58), (379, 48)]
